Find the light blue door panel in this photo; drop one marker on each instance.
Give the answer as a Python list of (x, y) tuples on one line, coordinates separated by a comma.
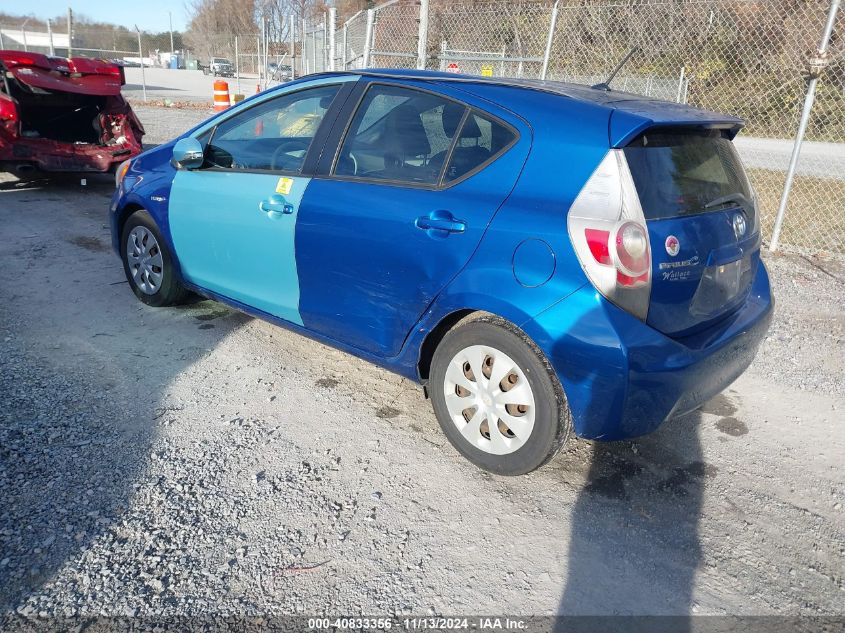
[(234, 235)]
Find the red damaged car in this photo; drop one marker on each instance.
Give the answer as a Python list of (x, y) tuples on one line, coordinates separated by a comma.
[(61, 114)]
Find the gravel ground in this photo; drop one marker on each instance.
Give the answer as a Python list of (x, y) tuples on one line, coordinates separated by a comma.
[(193, 461)]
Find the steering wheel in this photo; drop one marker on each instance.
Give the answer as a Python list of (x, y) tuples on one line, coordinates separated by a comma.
[(286, 148)]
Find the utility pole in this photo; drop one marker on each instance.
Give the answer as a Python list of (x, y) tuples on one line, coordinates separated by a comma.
[(69, 32)]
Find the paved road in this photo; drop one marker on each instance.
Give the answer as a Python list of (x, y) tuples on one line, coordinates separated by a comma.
[(181, 85), (195, 461), (822, 160)]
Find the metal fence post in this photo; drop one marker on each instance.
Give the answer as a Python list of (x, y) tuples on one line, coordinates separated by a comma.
[(70, 33), (345, 44), (681, 84), (50, 36), (237, 66), (292, 21), (422, 36), (332, 37), (141, 55), (325, 47), (313, 66), (304, 45), (549, 41), (820, 62), (368, 37)]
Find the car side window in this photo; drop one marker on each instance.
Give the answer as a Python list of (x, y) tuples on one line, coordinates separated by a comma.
[(481, 140), (400, 135), (274, 135)]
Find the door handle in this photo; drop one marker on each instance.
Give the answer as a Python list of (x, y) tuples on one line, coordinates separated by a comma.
[(440, 221), (275, 206)]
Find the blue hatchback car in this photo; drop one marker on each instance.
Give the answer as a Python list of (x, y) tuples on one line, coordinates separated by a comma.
[(545, 258)]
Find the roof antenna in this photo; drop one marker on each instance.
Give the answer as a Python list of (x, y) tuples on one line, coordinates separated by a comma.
[(605, 85)]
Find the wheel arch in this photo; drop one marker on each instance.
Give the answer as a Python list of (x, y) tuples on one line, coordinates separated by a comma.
[(123, 215), (436, 334), (132, 207)]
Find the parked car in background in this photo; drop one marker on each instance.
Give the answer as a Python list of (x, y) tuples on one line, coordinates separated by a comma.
[(64, 115), (218, 66), (279, 72), (545, 258)]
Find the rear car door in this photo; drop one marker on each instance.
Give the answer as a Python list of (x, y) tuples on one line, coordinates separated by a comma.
[(399, 209), (233, 221), (702, 222)]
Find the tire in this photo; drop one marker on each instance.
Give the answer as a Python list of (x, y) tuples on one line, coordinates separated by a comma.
[(542, 427), (149, 266)]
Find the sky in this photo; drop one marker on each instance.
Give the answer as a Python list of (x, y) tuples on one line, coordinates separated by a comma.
[(149, 15)]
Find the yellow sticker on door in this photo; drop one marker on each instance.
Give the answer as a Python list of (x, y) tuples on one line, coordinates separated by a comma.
[(284, 185)]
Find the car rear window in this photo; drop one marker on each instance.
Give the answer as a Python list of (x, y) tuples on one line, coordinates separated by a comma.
[(481, 140), (684, 173)]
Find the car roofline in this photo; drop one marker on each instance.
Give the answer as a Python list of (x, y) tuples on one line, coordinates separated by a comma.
[(672, 114)]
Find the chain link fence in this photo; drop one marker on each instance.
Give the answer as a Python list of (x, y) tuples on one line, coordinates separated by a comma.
[(752, 58)]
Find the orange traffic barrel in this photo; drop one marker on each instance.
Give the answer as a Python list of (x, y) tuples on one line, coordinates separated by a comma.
[(221, 95)]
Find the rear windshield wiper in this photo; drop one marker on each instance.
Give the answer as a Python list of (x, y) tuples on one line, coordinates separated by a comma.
[(731, 197)]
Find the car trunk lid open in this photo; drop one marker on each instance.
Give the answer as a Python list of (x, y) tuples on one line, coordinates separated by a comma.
[(64, 114)]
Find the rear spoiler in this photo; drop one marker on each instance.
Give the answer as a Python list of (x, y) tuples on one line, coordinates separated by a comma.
[(631, 117), (81, 75)]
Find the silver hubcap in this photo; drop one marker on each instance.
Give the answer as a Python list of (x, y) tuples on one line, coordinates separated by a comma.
[(144, 258), (489, 399)]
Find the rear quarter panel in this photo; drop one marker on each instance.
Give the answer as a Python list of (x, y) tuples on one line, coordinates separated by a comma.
[(569, 141)]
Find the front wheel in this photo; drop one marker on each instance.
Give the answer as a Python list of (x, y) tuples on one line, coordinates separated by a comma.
[(497, 399), (148, 263)]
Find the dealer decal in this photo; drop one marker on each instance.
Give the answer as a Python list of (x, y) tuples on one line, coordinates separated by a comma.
[(284, 185)]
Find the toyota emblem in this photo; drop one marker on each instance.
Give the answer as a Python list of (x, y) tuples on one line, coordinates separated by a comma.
[(739, 225), (673, 246)]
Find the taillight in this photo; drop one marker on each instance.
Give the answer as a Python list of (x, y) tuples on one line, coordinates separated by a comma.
[(8, 114), (609, 234)]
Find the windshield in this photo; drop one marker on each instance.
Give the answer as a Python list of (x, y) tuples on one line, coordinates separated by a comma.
[(683, 173)]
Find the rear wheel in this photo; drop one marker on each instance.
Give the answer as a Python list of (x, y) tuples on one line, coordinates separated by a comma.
[(497, 399), (148, 263)]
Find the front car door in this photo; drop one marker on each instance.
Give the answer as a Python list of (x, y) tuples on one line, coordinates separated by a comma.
[(399, 209), (233, 221)]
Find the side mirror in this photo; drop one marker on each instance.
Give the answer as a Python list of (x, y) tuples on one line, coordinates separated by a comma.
[(187, 154)]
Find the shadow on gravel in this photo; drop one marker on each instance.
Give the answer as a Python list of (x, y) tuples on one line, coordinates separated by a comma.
[(634, 545), (84, 374)]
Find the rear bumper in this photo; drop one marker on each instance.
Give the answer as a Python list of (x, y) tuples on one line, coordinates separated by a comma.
[(623, 378), (46, 155)]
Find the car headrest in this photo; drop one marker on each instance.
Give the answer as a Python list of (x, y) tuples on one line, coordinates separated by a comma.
[(404, 132)]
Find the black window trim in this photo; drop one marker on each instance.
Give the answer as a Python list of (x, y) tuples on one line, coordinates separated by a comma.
[(321, 135), (439, 185)]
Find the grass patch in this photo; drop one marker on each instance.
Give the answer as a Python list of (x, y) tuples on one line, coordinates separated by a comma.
[(815, 215)]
